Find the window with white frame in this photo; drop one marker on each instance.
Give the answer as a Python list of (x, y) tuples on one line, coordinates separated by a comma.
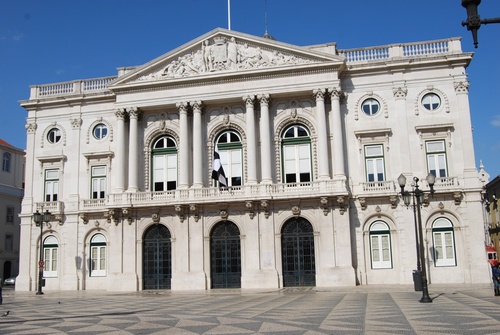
[(296, 148), (370, 106), (444, 242), (431, 101), (6, 162), (98, 256), (51, 185), (374, 160), (380, 245), (164, 156), (50, 248), (100, 131), (436, 158), (230, 151), (9, 217), (98, 182)]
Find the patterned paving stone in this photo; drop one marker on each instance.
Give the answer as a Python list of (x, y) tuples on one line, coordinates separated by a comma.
[(353, 311)]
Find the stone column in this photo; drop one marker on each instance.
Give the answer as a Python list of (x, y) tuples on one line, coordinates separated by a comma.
[(251, 143), (184, 145), (324, 173), (338, 137), (119, 169), (133, 153), (265, 140), (197, 145)]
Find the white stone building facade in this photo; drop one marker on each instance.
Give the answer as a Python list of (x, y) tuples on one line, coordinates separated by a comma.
[(312, 141)]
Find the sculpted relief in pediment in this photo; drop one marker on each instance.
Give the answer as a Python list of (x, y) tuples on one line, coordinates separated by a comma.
[(223, 54)]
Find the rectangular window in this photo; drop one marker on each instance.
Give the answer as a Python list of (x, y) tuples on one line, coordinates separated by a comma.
[(165, 172), (9, 243), (9, 218), (297, 163), (381, 251), (50, 259), (98, 182), (436, 158), (444, 248), (232, 164), (98, 261), (51, 185), (374, 160)]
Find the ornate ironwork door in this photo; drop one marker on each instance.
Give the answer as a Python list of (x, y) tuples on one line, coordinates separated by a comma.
[(225, 256), (297, 248), (157, 258)]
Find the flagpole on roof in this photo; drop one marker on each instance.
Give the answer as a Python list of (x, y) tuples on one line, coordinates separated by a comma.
[(229, 14)]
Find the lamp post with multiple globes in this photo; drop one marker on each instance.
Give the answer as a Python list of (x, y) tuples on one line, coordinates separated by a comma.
[(415, 198), (39, 219)]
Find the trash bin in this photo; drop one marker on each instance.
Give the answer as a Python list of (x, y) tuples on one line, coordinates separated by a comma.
[(417, 280)]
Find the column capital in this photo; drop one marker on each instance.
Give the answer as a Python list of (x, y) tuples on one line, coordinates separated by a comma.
[(249, 100), (30, 127), (196, 105), (319, 93), (461, 87), (263, 99), (182, 106), (134, 112), (121, 114), (335, 93)]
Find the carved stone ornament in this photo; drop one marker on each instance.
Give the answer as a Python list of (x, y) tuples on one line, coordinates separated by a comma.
[(296, 210), (342, 205), (393, 199), (194, 209), (222, 53), (223, 214), (457, 196), (250, 210), (362, 203), (324, 205), (265, 205), (84, 218), (180, 213)]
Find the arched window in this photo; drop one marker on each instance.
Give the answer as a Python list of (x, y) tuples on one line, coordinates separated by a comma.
[(50, 247), (6, 162), (54, 135), (443, 239), (164, 164), (98, 256), (231, 156), (296, 149), (380, 245)]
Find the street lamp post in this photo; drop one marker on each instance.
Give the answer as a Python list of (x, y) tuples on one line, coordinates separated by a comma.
[(415, 197), (474, 22), (39, 219)]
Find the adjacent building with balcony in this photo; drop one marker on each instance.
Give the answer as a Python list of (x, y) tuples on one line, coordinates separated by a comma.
[(11, 195), (311, 141)]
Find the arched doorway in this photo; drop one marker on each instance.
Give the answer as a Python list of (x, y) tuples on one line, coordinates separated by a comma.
[(297, 249), (225, 256), (157, 258)]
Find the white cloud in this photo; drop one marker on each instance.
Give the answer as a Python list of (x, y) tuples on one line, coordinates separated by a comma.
[(495, 122)]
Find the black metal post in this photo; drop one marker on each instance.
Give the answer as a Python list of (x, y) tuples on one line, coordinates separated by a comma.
[(40, 262), (415, 222), (39, 220), (474, 22), (425, 290)]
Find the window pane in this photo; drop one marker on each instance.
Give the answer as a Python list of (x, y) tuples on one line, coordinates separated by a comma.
[(435, 146)]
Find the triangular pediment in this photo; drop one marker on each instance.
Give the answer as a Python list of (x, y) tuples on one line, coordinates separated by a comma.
[(224, 52)]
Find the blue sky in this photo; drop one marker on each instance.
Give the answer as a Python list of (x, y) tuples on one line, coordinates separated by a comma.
[(48, 41)]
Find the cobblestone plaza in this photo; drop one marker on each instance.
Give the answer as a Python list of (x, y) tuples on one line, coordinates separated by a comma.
[(358, 310)]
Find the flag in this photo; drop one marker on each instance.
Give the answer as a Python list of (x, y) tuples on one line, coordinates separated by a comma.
[(217, 169)]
